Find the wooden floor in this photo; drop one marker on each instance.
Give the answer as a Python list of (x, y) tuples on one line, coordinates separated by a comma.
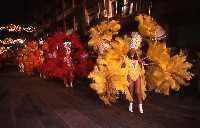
[(31, 102)]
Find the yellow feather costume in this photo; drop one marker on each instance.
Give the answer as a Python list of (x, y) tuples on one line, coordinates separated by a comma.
[(112, 66)]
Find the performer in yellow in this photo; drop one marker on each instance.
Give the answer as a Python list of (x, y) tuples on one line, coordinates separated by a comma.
[(113, 66), (120, 69), (136, 71)]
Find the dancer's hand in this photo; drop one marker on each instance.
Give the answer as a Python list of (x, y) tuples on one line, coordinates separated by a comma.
[(129, 78)]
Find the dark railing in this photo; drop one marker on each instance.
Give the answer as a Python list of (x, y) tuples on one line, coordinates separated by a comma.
[(99, 11)]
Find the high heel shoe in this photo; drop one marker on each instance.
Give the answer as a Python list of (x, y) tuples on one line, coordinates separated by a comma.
[(130, 108), (71, 85), (140, 108)]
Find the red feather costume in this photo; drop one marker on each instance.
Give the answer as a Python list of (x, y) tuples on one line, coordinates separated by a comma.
[(83, 65), (54, 52), (61, 60)]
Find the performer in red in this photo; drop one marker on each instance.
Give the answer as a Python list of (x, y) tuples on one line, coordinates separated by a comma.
[(68, 65), (49, 63), (65, 58), (57, 59)]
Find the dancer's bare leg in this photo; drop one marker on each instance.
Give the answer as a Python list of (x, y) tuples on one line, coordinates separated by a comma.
[(66, 83), (138, 93), (71, 81), (131, 89), (20, 68)]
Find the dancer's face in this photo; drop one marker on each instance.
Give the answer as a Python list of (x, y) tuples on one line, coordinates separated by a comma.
[(132, 53), (67, 43)]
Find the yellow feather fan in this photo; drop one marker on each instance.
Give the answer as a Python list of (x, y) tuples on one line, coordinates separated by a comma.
[(149, 27), (167, 73), (159, 53), (103, 31)]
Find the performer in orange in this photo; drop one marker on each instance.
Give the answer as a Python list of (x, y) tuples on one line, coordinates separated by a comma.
[(37, 58), (29, 57), (20, 60)]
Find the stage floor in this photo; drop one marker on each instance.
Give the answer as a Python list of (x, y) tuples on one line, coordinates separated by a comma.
[(31, 102)]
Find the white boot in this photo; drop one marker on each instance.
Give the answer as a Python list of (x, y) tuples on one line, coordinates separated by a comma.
[(71, 85), (140, 108), (22, 68), (66, 85), (130, 108)]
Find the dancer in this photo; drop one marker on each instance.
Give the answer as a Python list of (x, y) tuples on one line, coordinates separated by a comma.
[(28, 57), (137, 68), (69, 67), (20, 60), (115, 73), (31, 58), (54, 53), (64, 56)]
